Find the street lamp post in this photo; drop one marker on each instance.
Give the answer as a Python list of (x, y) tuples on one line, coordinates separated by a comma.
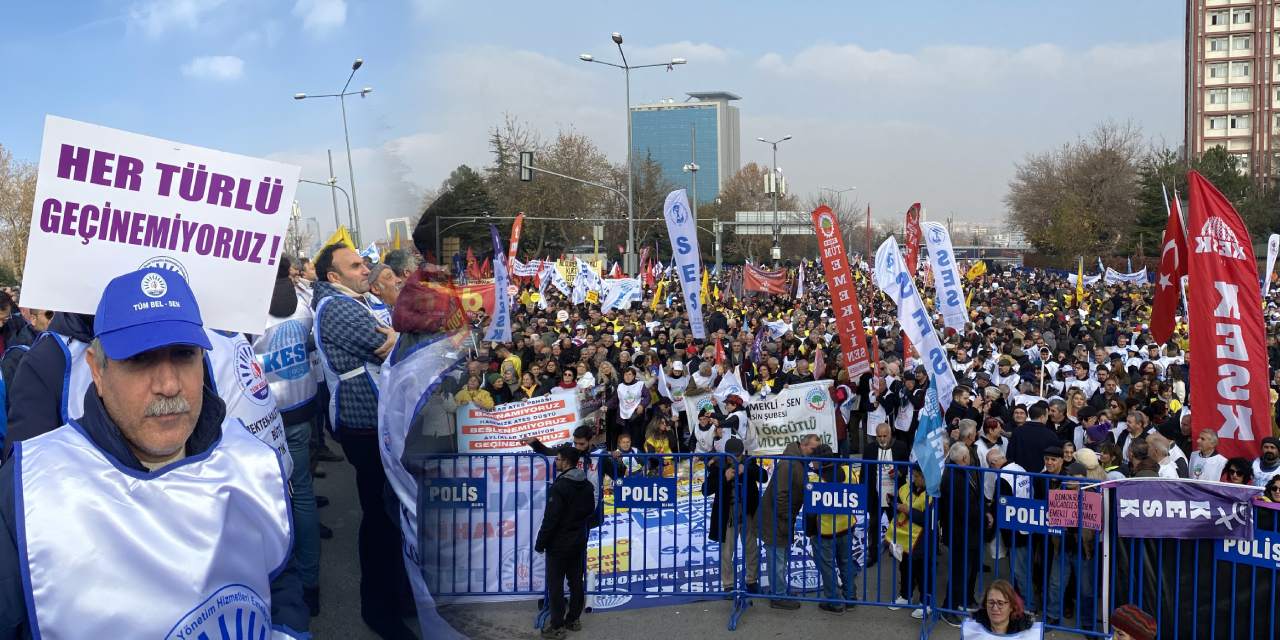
[(691, 168), (333, 184), (774, 185), (630, 259), (351, 172)]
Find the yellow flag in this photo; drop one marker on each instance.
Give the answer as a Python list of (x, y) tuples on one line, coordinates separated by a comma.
[(1080, 283), (976, 271), (395, 242), (968, 300), (657, 295), (716, 292), (341, 236), (706, 287)]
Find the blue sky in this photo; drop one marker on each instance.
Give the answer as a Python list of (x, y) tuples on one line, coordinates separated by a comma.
[(929, 101)]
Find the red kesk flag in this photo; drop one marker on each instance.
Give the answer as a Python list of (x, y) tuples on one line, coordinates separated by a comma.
[(1228, 344), (1173, 265), (515, 237), (844, 295), (771, 282), (911, 256)]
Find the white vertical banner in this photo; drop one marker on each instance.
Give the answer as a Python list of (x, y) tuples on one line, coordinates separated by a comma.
[(946, 276), (499, 329), (683, 230), (894, 280), (1273, 247)]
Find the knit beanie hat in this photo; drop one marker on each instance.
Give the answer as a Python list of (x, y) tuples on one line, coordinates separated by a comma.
[(1135, 622)]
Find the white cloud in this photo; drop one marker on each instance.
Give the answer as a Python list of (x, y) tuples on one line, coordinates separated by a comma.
[(694, 52), (320, 17), (158, 16), (214, 68)]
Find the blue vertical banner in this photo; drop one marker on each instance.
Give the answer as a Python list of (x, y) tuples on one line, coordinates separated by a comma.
[(499, 329), (928, 446), (683, 230), (896, 282)]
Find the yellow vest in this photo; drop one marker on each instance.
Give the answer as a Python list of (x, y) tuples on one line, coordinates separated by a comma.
[(901, 531), (832, 525)]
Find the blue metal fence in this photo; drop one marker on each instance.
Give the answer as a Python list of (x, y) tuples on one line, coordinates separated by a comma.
[(840, 533)]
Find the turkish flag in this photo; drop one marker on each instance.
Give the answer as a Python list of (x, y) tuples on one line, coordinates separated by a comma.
[(1228, 340), (1173, 265)]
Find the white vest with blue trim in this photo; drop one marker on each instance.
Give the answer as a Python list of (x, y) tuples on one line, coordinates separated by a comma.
[(334, 378), (75, 377), (282, 352), (110, 552)]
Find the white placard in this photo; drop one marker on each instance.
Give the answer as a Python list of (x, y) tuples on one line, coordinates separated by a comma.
[(108, 202)]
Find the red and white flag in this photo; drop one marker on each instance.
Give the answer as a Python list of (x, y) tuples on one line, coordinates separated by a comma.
[(911, 256), (819, 363), (1228, 340), (719, 353), (515, 236), (1173, 265)]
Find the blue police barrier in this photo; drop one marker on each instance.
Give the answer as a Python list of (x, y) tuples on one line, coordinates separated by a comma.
[(478, 519)]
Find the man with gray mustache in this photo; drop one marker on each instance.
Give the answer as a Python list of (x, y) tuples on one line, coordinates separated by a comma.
[(145, 516)]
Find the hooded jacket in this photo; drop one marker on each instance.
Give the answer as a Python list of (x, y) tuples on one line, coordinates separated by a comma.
[(570, 510), (287, 607)]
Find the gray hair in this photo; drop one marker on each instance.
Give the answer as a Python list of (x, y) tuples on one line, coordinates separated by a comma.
[(375, 271), (99, 354), (968, 428), (1159, 447), (956, 451)]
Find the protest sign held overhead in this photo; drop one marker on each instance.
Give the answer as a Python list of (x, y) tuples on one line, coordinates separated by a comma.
[(109, 201)]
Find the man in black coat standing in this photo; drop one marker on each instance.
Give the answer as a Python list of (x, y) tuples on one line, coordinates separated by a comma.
[(723, 477), (1028, 442), (563, 537)]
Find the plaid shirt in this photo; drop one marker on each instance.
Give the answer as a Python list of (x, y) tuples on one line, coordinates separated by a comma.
[(348, 337)]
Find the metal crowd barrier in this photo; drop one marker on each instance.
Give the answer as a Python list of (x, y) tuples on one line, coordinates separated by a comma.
[(839, 532)]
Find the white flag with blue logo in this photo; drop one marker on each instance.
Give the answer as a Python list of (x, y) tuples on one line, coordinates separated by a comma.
[(914, 317), (683, 230), (619, 293), (946, 276), (499, 329)]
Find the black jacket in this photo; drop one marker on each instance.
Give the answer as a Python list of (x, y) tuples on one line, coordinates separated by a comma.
[(570, 509), (287, 607), (35, 394), (961, 508), (723, 493), (1027, 444)]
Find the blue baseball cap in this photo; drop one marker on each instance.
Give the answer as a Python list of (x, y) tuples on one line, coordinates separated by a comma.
[(148, 309)]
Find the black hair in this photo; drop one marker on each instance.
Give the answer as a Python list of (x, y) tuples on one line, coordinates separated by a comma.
[(324, 261), (569, 454), (1037, 411), (583, 433), (6, 300)]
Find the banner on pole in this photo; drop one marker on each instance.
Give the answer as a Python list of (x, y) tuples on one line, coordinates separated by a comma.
[(844, 293), (771, 282), (942, 259), (499, 329), (894, 280), (110, 201), (683, 230)]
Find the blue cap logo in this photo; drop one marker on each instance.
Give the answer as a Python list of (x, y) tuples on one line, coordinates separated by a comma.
[(154, 286)]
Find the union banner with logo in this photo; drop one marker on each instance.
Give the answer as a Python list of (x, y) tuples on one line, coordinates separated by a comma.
[(799, 410), (1228, 340), (844, 294), (771, 282)]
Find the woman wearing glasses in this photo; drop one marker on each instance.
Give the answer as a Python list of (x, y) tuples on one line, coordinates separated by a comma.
[(1002, 614), (1271, 493), (1238, 471)]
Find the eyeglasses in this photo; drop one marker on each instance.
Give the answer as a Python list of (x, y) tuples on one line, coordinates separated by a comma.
[(1273, 489), (997, 604), (1233, 472)]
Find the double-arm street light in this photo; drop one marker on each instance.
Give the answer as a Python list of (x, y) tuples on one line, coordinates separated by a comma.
[(341, 96), (630, 259), (774, 187)]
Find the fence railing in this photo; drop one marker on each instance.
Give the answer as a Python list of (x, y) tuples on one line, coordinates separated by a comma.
[(840, 533)]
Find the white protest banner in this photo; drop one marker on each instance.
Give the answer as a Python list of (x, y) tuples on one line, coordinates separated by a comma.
[(550, 418), (1089, 281), (799, 410), (730, 385), (499, 329), (1273, 248), (950, 299), (109, 201), (894, 280), (971, 630), (693, 405), (683, 230), (619, 293), (1114, 277)]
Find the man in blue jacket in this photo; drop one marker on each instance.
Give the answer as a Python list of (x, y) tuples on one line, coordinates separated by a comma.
[(121, 523)]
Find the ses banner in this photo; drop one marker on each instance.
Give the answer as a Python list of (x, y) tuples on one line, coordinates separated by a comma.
[(799, 410), (109, 201), (946, 276), (894, 279), (844, 293), (683, 230), (1229, 372), (1184, 509), (771, 282), (550, 419)]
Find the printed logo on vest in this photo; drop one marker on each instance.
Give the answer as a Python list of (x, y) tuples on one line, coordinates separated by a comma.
[(287, 356), (249, 372), (234, 606)]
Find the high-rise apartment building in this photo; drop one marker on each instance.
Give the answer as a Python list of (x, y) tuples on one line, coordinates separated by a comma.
[(665, 131), (1233, 81)]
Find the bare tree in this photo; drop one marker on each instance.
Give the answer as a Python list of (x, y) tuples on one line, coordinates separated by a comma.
[(17, 198)]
